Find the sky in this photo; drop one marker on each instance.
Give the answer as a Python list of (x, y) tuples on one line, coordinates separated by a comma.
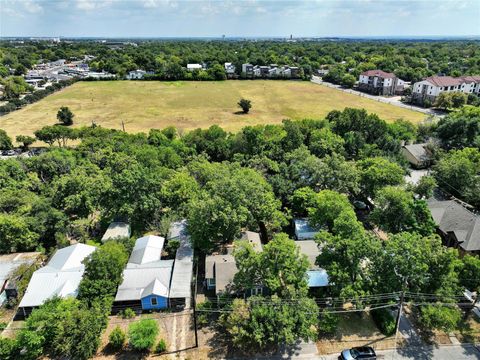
[(245, 18)]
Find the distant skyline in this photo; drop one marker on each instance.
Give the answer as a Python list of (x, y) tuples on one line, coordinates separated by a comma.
[(248, 18)]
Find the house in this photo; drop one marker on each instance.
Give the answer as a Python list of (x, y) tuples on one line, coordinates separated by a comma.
[(303, 230), (247, 70), (458, 227), (418, 155), (182, 274), (221, 269), (8, 264), (229, 70), (60, 277), (136, 74), (192, 67), (146, 278), (378, 82), (317, 277), (117, 230), (431, 87), (294, 71)]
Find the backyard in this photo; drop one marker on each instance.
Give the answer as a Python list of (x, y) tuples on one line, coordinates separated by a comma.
[(142, 105)]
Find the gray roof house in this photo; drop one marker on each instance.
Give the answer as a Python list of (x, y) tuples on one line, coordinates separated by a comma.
[(459, 227), (8, 264), (60, 277), (146, 278), (317, 277), (180, 288), (417, 155), (116, 230), (303, 230), (220, 269)]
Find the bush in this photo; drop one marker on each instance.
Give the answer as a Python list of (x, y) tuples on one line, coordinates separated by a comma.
[(8, 350), (142, 334), (384, 320), (3, 325), (117, 338), (161, 347), (202, 317), (328, 322), (127, 314), (438, 317)]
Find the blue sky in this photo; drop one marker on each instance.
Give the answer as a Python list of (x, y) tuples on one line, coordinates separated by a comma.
[(199, 18)]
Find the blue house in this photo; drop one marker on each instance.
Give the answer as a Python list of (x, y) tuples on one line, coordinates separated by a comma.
[(146, 278)]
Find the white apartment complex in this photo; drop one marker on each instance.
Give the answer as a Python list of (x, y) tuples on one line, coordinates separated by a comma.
[(431, 87)]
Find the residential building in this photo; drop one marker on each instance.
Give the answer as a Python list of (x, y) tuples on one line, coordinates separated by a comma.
[(152, 283), (247, 70), (182, 274), (136, 74), (418, 155), (220, 269), (8, 264), (117, 230), (192, 67), (378, 82), (60, 277), (317, 277), (458, 226), (230, 70), (146, 278), (431, 87), (303, 230)]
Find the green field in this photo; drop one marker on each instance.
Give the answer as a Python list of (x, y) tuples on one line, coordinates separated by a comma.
[(143, 105)]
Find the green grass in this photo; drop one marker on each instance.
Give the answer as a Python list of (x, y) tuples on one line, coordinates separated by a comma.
[(143, 105)]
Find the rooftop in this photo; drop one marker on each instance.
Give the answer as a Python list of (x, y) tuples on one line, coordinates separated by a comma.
[(61, 276), (116, 230), (378, 73), (183, 265), (418, 151)]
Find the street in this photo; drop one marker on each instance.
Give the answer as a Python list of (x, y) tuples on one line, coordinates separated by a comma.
[(449, 352)]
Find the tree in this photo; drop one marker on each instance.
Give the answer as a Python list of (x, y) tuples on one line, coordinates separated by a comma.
[(325, 142), (396, 210), (265, 323), (60, 134), (25, 140), (378, 172), (348, 80), (444, 100), (16, 234), (5, 141), (65, 116), (245, 104), (142, 334), (328, 205), (440, 317), (425, 186), (469, 273), (103, 272), (458, 99), (459, 129), (117, 338), (280, 267)]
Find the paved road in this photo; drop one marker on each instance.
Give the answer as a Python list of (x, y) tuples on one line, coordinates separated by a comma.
[(450, 352)]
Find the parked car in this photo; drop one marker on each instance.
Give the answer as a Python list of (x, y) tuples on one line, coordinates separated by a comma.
[(358, 353), (11, 152)]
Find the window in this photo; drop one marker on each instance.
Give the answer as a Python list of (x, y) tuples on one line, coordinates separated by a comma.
[(256, 290), (211, 282), (153, 301)]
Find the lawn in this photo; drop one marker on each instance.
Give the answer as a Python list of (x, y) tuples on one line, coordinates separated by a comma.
[(142, 105)]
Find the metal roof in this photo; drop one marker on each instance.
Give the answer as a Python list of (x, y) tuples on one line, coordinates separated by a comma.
[(418, 151), (10, 262), (317, 278), (116, 230), (180, 285), (60, 277), (303, 229), (147, 249)]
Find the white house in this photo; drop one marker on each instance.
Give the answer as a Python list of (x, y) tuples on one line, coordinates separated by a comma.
[(379, 82), (431, 87), (229, 69), (136, 74), (60, 277), (192, 67), (116, 230)]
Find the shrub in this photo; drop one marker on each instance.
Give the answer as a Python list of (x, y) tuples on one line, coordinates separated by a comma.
[(117, 338), (440, 317), (161, 347), (3, 325), (7, 349), (328, 322), (127, 314), (202, 317), (142, 334), (384, 321)]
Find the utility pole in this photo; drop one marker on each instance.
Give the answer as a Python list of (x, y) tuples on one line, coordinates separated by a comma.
[(123, 126)]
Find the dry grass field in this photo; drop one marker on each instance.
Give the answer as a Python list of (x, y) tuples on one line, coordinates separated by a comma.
[(143, 105)]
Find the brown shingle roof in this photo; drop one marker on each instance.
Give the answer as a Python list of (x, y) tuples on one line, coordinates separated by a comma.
[(378, 73), (444, 80)]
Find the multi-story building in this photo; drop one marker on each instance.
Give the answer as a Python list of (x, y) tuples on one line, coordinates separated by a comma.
[(229, 70), (378, 82), (431, 87), (247, 70)]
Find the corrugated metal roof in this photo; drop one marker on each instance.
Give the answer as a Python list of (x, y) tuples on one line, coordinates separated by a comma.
[(180, 286), (116, 230), (317, 278), (60, 277), (10, 262), (147, 249)]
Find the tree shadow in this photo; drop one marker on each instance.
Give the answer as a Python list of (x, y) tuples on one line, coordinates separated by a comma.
[(240, 112)]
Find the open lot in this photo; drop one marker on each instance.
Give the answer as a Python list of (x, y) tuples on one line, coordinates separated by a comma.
[(143, 105)]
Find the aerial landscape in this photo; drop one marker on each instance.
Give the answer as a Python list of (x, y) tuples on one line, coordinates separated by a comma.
[(239, 180)]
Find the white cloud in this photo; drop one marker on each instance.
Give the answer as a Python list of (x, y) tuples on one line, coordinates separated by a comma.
[(33, 7), (92, 4)]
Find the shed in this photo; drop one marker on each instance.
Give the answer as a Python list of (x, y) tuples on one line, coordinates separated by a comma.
[(117, 230)]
